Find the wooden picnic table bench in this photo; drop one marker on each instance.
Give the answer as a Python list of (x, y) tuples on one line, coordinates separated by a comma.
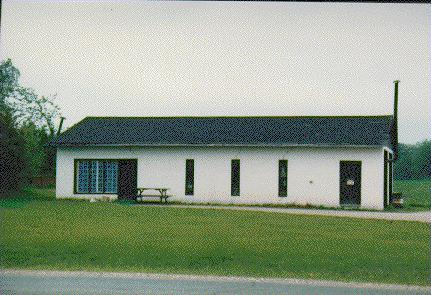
[(162, 191)]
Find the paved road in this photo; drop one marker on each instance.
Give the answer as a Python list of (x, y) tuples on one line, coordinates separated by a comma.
[(40, 282), (424, 216)]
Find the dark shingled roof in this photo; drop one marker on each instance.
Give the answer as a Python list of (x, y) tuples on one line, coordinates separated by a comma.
[(254, 131)]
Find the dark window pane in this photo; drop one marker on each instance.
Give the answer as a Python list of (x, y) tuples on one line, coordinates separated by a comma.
[(235, 177), (190, 175), (390, 175), (282, 178), (385, 178)]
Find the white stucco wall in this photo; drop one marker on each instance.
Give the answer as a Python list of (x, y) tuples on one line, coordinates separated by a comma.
[(313, 173)]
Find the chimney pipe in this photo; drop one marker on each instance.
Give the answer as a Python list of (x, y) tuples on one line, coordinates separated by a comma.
[(61, 125), (394, 137)]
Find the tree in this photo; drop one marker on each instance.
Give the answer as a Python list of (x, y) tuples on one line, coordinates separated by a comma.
[(35, 138), (9, 76), (403, 165), (24, 104), (30, 119), (414, 161), (421, 160), (13, 171)]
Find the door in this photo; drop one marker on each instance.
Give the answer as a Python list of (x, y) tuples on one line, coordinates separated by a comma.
[(350, 182), (127, 179)]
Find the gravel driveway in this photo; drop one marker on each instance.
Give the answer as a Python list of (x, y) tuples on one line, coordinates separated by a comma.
[(424, 216)]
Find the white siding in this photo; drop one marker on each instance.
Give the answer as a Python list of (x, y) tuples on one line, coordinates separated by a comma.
[(313, 173)]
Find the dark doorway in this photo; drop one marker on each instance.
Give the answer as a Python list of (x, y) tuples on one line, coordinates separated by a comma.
[(127, 179), (350, 182)]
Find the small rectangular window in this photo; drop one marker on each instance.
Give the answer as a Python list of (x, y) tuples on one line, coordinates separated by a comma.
[(391, 171), (190, 177), (235, 178), (385, 179), (282, 178)]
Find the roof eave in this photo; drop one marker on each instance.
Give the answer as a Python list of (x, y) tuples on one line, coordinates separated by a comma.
[(221, 145)]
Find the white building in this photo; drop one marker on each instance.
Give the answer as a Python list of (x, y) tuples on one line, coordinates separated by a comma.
[(329, 161)]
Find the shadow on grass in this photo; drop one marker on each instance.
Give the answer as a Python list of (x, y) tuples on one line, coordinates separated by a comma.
[(27, 195)]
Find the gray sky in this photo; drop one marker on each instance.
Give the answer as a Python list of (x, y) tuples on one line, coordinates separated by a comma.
[(198, 58)]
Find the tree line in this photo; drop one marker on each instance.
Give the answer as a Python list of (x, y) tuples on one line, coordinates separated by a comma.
[(414, 161), (27, 124)]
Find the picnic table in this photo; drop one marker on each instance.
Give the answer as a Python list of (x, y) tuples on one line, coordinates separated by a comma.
[(162, 191)]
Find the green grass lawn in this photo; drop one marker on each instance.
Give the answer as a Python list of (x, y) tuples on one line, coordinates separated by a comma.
[(70, 235), (417, 193)]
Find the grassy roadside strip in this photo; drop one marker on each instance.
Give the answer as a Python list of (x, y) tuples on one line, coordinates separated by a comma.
[(71, 235)]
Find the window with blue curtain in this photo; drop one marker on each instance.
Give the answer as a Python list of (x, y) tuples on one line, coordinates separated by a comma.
[(111, 177), (97, 176), (83, 175)]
